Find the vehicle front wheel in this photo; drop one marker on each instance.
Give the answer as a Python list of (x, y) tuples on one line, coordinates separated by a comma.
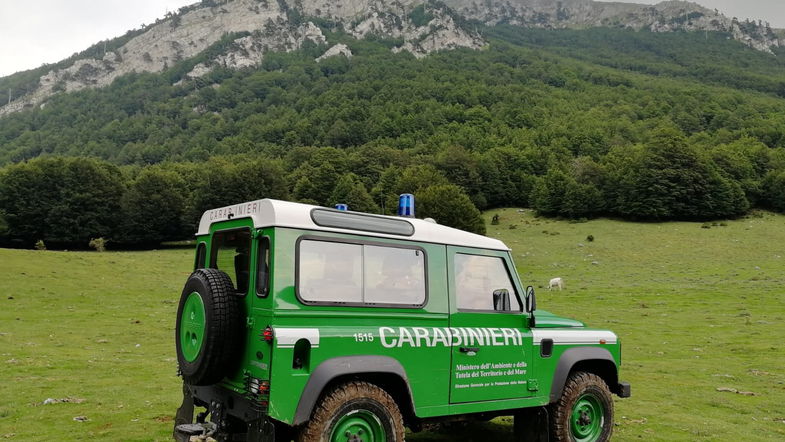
[(584, 413), (355, 412)]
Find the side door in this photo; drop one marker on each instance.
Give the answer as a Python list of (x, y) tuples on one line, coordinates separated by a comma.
[(491, 341)]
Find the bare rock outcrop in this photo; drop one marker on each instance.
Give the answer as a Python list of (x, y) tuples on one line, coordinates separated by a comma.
[(417, 26), (249, 51), (339, 49)]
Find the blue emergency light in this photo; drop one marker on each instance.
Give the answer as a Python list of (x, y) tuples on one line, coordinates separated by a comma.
[(406, 205), (342, 207)]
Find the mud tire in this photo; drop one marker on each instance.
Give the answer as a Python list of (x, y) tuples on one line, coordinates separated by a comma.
[(581, 385), (350, 398)]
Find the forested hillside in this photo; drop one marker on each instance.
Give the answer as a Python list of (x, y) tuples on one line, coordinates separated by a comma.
[(575, 123)]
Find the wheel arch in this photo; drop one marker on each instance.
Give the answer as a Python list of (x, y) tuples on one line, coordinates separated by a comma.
[(383, 371), (594, 360)]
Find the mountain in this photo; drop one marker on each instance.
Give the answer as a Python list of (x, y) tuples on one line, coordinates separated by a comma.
[(239, 33), (526, 111)]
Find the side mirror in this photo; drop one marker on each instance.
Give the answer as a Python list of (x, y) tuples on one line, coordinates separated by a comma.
[(531, 300), (501, 300)]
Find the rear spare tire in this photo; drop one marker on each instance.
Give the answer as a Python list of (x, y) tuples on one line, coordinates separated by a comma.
[(209, 327)]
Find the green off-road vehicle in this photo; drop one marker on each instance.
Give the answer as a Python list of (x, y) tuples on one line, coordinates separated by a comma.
[(316, 324)]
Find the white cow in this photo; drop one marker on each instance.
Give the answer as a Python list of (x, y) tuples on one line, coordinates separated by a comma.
[(556, 282)]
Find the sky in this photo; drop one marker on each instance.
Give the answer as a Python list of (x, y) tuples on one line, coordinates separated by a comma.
[(35, 32), (772, 11)]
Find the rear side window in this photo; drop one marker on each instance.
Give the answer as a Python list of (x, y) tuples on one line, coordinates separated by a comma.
[(230, 252), (201, 256), (263, 270), (477, 277), (360, 274)]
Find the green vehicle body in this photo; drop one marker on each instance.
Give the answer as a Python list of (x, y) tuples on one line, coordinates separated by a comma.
[(435, 359)]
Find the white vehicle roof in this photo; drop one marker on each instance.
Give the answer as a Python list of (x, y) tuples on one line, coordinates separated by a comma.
[(274, 213)]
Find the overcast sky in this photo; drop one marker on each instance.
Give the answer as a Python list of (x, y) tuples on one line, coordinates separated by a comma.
[(772, 11), (34, 32)]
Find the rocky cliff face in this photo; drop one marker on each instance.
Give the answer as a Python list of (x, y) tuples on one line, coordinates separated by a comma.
[(420, 27)]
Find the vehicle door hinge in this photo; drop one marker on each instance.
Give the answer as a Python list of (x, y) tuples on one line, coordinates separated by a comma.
[(249, 322), (533, 385)]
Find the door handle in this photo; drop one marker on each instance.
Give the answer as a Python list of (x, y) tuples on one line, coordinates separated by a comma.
[(471, 351)]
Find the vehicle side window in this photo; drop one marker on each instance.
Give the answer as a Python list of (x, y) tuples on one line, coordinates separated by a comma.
[(330, 272), (230, 252), (360, 274), (263, 270), (477, 277), (394, 276), (201, 256)]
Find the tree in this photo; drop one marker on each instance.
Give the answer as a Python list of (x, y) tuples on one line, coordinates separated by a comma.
[(383, 192), (65, 201), (460, 167), (154, 207), (315, 183), (351, 191), (450, 206), (231, 180), (304, 190), (419, 176), (549, 193), (671, 179), (3, 225), (504, 177), (774, 190), (582, 200)]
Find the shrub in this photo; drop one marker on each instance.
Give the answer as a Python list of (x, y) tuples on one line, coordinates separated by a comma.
[(449, 205), (99, 244), (590, 238), (39, 245)]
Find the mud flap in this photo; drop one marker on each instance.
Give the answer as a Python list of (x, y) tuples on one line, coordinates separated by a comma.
[(531, 425), (261, 431), (185, 414)]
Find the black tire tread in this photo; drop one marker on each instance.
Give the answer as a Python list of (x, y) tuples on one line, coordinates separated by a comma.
[(577, 384), (324, 413), (223, 338)]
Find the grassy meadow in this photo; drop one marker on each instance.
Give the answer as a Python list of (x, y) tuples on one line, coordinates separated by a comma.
[(698, 309)]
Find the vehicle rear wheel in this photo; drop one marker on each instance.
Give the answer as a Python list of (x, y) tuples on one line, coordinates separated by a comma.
[(209, 327), (355, 412), (584, 413)]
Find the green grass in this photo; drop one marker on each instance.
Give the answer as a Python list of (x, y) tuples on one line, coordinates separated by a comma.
[(92, 327), (697, 309)]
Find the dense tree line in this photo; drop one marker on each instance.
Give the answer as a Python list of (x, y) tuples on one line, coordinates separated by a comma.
[(576, 124), (66, 202)]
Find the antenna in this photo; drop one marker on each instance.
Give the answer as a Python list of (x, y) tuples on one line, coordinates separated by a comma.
[(9, 95)]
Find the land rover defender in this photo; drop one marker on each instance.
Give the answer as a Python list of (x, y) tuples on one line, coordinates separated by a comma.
[(315, 324)]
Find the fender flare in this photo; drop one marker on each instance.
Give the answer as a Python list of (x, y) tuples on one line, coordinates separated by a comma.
[(568, 360), (333, 368)]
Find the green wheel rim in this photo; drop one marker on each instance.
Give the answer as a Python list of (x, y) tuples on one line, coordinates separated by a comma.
[(587, 419), (358, 426), (192, 326)]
